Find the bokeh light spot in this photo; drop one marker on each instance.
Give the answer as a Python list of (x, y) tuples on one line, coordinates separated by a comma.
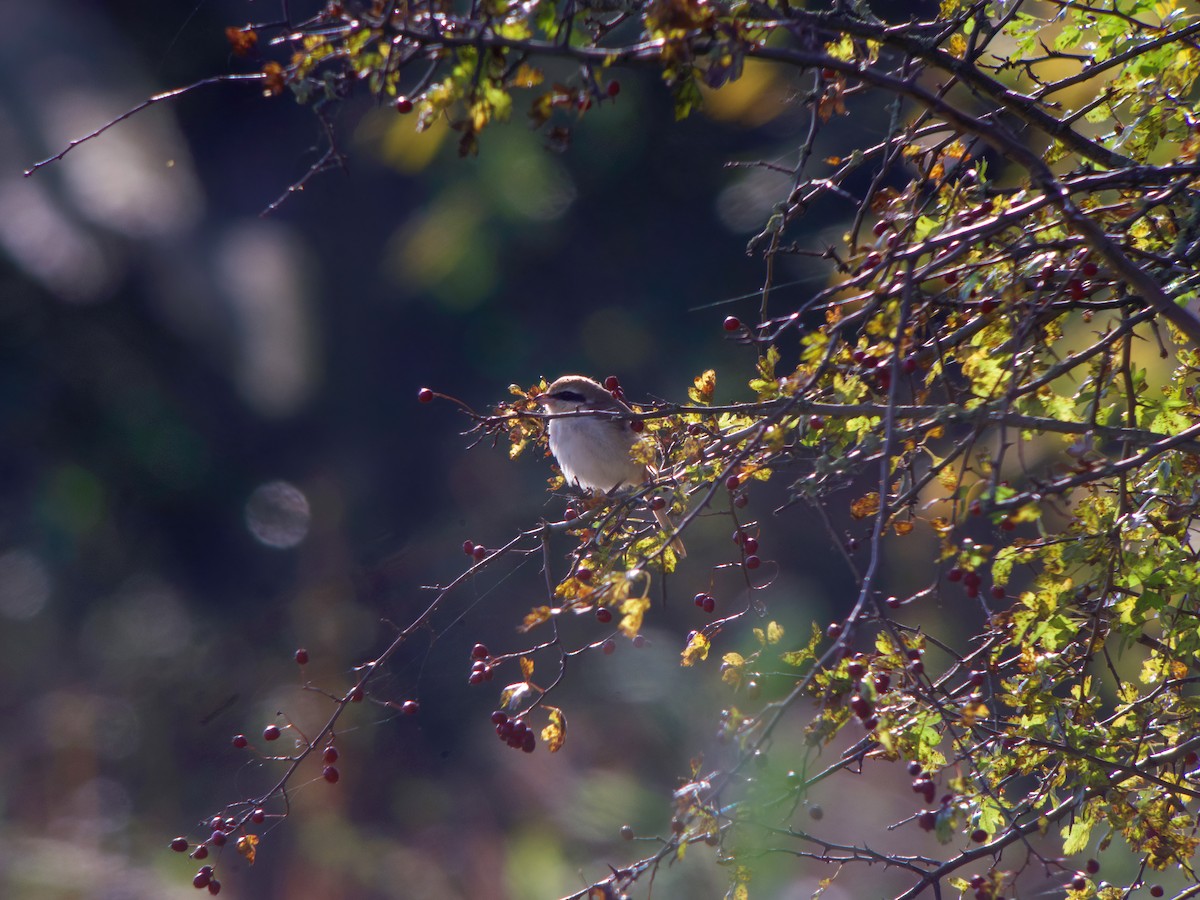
[(277, 514), (24, 585)]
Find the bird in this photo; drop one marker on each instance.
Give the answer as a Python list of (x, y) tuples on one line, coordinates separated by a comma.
[(593, 451)]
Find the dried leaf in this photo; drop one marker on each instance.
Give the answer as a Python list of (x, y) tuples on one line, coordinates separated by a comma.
[(247, 846), (865, 506)]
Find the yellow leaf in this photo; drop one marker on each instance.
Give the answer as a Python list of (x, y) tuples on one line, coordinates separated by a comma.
[(774, 633), (732, 669), (526, 667), (555, 734), (247, 846), (535, 617), (696, 649), (634, 608), (702, 390)]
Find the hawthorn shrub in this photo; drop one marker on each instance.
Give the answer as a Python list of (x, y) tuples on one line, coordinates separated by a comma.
[(1003, 356)]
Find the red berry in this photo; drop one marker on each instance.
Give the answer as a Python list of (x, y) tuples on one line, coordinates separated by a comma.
[(356, 695), (469, 548), (855, 669), (331, 774), (258, 816), (951, 278), (637, 426), (603, 615), (927, 820), (910, 364), (424, 395), (479, 651), (828, 73), (1075, 286), (200, 852), (476, 677), (732, 482), (976, 508), (816, 423), (955, 574), (499, 718), (1079, 882), (657, 503), (752, 562), (410, 707), (609, 647), (872, 260), (979, 836), (914, 768), (860, 706), (271, 733), (750, 545), (997, 592), (404, 106), (583, 574), (1090, 269), (893, 602), (1156, 890), (917, 667), (740, 501), (217, 839), (834, 631), (240, 741), (639, 641), (200, 882), (626, 833), (882, 681), (709, 604), (569, 513), (880, 228), (977, 678), (732, 323), (479, 551), (179, 845), (1008, 525), (612, 383), (301, 656), (987, 305), (613, 88), (214, 887), (528, 742), (1092, 866)]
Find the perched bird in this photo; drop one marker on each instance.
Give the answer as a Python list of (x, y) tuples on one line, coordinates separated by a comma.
[(593, 451)]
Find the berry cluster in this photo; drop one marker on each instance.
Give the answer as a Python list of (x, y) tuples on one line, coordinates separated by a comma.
[(749, 548), (514, 732), (481, 665)]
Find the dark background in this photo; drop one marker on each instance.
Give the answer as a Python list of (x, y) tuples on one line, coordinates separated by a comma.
[(166, 351)]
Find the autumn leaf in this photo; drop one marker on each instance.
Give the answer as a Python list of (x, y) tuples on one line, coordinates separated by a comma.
[(865, 506), (696, 649), (247, 846), (555, 734)]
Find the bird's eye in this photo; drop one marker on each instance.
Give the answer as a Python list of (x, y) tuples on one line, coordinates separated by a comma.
[(570, 396)]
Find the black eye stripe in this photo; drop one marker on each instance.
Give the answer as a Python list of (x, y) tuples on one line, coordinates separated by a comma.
[(569, 396)]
